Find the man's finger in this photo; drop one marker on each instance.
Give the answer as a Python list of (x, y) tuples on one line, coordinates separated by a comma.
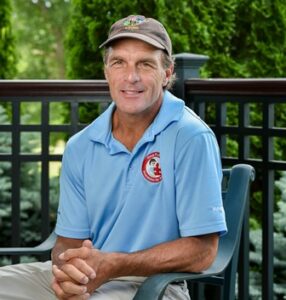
[(60, 294), (72, 288), (74, 274), (59, 274), (87, 243), (82, 252), (83, 267)]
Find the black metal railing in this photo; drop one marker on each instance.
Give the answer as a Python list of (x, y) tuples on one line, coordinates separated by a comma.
[(15, 94), (266, 97), (212, 99)]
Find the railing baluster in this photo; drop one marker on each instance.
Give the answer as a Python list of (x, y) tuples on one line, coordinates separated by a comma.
[(268, 204), (16, 176), (45, 207)]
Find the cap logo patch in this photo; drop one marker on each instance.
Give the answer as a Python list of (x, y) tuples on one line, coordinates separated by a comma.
[(151, 168), (133, 22)]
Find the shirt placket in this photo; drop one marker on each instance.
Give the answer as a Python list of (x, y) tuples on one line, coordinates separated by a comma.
[(131, 170)]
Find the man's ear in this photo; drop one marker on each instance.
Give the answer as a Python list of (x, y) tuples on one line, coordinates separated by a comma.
[(165, 82), (168, 75), (169, 72)]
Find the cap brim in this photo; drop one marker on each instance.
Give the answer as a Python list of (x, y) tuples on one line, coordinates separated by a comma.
[(133, 35)]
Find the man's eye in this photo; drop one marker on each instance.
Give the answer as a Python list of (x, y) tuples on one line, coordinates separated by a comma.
[(146, 65), (117, 63)]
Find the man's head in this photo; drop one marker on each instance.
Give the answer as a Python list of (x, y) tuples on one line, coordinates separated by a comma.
[(147, 30)]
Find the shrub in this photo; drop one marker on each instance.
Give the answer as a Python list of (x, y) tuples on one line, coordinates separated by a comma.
[(7, 47)]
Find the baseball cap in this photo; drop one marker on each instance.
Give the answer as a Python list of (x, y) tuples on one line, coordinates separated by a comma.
[(138, 27)]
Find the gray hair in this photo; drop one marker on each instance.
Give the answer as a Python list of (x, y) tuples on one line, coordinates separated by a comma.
[(167, 62)]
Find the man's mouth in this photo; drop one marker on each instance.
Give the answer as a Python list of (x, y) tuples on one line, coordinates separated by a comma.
[(132, 92)]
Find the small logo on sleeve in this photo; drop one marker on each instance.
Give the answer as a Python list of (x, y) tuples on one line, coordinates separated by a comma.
[(151, 168)]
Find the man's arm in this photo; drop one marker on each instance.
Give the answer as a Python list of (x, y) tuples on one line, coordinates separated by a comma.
[(188, 254)]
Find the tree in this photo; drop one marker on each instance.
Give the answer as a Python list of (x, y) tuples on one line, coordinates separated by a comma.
[(5, 181), (242, 38), (279, 249), (91, 20), (40, 27), (7, 46), (259, 40)]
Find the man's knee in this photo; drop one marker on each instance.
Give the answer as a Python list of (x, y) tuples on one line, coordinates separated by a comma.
[(116, 290)]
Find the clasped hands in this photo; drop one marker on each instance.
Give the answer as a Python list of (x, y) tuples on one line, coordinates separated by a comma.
[(77, 277)]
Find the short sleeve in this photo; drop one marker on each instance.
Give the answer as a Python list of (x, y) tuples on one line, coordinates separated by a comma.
[(198, 176), (72, 218)]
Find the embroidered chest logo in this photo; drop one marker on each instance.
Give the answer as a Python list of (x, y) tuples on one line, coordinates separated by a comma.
[(151, 168)]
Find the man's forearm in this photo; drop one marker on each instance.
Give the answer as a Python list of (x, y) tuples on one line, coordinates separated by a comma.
[(190, 254)]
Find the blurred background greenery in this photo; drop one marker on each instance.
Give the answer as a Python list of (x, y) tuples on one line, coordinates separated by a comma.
[(58, 39)]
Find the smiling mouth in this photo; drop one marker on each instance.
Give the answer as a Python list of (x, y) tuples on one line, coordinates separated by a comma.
[(132, 92)]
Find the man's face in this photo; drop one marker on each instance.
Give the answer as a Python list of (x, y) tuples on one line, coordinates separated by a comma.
[(136, 76)]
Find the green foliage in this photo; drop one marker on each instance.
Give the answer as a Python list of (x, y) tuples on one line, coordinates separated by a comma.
[(5, 178), (259, 40), (40, 26), (242, 38), (92, 19), (279, 249), (280, 215), (5, 184), (7, 47)]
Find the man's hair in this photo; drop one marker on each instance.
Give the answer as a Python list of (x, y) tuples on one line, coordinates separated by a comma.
[(167, 62)]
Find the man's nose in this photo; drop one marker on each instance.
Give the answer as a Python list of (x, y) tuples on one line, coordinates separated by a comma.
[(132, 74)]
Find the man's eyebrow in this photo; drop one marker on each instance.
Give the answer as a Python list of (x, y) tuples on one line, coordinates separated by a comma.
[(142, 60), (116, 57), (147, 60)]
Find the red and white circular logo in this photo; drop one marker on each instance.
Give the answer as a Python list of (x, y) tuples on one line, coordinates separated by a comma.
[(151, 167)]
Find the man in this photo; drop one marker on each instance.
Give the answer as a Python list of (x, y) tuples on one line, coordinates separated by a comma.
[(118, 222)]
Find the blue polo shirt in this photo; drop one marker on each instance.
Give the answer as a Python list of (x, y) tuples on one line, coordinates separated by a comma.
[(167, 187)]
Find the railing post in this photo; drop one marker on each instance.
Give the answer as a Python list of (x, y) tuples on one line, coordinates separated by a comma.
[(187, 65)]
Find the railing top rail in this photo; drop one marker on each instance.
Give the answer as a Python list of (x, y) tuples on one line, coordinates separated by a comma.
[(53, 87), (263, 86)]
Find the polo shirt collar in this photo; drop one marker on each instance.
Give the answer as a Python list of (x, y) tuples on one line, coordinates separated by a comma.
[(100, 130), (171, 111)]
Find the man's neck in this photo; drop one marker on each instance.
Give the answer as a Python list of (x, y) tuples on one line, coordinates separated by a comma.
[(129, 129)]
